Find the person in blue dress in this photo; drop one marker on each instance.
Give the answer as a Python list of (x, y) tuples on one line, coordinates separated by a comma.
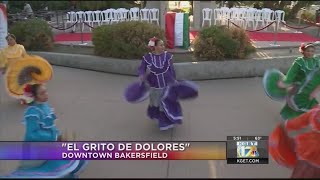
[(39, 120)]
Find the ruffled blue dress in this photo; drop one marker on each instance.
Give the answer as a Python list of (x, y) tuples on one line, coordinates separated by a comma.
[(39, 120)]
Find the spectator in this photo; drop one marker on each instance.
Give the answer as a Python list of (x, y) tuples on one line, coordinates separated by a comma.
[(27, 10)]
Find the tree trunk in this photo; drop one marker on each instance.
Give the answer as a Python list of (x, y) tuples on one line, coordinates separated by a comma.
[(191, 8), (143, 4)]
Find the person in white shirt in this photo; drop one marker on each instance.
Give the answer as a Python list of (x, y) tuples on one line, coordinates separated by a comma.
[(27, 10)]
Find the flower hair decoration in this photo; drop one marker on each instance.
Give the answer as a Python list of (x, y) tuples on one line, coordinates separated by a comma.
[(302, 47), (27, 90), (152, 42)]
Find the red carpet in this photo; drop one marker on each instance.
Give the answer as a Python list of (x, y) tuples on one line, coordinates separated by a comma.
[(291, 37), (254, 36)]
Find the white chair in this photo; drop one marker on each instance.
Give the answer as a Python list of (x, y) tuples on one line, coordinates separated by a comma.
[(134, 14), (258, 18), (80, 16), (115, 16), (96, 18), (217, 16), (279, 17), (71, 19), (266, 9), (123, 13), (242, 16), (106, 16), (154, 15), (226, 15), (225, 8), (236, 16), (206, 16), (267, 16), (87, 18), (249, 18), (233, 15), (145, 15)]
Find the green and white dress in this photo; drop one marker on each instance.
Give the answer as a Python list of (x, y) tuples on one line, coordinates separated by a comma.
[(304, 76)]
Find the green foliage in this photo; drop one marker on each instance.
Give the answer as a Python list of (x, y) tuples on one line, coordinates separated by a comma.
[(229, 4), (219, 42), (17, 6), (14, 10), (287, 13), (300, 4), (127, 40), (308, 16), (34, 34), (102, 5), (58, 5)]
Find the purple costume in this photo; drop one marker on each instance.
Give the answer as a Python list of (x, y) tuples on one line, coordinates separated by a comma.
[(163, 89), (161, 70)]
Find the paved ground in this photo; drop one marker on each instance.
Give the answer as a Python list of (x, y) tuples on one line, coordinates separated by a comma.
[(91, 103)]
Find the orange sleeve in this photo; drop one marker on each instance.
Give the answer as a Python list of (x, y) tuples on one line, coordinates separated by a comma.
[(298, 122)]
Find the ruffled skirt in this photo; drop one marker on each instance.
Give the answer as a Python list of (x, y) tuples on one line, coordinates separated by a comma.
[(164, 103), (281, 148), (307, 147), (50, 169)]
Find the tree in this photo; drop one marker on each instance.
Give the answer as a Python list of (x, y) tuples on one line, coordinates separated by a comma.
[(230, 4), (282, 4), (269, 4), (102, 5), (300, 4), (143, 4)]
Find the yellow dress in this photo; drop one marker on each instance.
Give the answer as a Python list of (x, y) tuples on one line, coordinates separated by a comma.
[(11, 54)]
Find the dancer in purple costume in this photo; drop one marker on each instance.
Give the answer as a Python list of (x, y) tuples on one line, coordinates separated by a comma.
[(158, 82), (157, 70)]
